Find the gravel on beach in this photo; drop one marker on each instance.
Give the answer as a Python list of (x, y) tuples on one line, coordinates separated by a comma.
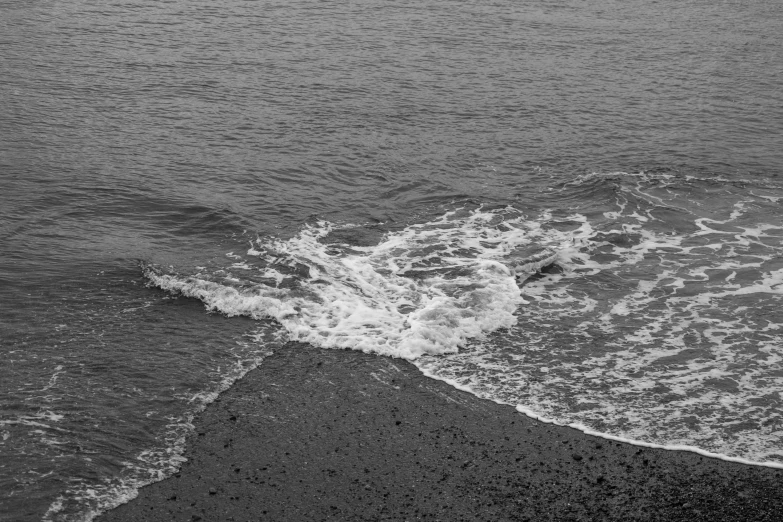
[(316, 434)]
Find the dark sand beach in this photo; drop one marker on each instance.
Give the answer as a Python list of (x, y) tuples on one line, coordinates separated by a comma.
[(339, 435)]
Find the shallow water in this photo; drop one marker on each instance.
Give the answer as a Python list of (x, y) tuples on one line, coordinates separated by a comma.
[(441, 149)]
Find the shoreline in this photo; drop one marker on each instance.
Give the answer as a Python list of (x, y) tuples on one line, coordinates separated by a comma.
[(612, 438), (318, 434)]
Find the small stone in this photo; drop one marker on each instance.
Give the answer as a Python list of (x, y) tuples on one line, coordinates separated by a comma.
[(212, 491)]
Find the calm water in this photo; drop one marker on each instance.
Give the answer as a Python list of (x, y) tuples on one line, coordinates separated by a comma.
[(387, 177)]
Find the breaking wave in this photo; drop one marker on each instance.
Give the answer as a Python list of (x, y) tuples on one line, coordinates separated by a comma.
[(649, 312), (424, 290)]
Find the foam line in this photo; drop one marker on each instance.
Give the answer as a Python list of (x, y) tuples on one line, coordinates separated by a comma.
[(587, 431)]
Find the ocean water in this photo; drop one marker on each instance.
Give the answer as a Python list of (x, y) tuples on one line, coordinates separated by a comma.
[(572, 207)]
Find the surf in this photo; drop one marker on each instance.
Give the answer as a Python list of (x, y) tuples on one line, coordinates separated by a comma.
[(428, 289), (631, 318)]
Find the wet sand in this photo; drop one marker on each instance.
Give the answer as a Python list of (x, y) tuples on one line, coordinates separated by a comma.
[(339, 435)]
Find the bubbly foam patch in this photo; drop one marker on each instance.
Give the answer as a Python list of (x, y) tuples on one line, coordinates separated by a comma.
[(659, 322), (663, 327), (424, 290)]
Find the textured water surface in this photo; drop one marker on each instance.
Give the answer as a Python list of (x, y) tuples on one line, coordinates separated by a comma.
[(573, 207)]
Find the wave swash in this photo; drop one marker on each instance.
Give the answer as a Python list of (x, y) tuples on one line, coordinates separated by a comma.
[(649, 313)]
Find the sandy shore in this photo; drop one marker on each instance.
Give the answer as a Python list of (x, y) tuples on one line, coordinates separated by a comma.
[(340, 435)]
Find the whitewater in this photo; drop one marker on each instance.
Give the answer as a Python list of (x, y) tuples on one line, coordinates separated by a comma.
[(635, 326)]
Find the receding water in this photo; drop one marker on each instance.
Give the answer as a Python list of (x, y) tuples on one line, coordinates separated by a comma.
[(572, 207)]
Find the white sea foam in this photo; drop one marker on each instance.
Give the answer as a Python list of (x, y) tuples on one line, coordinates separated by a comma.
[(424, 290), (681, 345), (34, 420), (586, 429), (660, 326)]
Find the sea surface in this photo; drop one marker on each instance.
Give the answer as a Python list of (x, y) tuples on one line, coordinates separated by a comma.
[(574, 207)]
